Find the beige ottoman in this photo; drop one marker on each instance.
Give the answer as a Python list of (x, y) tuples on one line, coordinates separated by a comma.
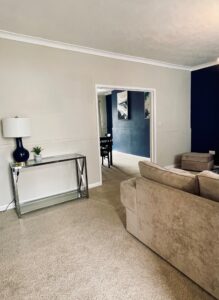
[(197, 161)]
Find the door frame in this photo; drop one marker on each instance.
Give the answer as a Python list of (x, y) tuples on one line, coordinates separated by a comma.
[(153, 128)]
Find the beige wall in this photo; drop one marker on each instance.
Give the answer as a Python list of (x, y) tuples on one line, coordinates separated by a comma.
[(56, 89)]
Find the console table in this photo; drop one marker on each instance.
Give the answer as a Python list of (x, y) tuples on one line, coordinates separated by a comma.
[(81, 175)]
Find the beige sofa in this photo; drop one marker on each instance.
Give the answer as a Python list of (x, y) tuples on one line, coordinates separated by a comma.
[(168, 211)]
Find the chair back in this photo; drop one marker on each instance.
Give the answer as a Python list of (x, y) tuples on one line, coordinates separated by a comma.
[(106, 143)]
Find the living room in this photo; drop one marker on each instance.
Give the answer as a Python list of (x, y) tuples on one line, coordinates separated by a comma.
[(53, 57)]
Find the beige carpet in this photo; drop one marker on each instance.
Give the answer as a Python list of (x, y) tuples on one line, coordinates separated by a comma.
[(80, 250)]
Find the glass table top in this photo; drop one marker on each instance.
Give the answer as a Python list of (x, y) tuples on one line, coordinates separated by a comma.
[(47, 160)]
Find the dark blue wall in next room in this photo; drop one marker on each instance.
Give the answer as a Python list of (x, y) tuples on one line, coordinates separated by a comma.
[(133, 135), (205, 110)]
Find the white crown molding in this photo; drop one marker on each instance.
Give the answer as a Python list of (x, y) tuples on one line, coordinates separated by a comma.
[(202, 66), (76, 48)]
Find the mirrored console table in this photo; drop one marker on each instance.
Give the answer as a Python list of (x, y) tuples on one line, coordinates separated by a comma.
[(81, 176)]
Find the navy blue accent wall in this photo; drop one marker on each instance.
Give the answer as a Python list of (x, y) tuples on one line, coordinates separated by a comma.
[(133, 135), (205, 110)]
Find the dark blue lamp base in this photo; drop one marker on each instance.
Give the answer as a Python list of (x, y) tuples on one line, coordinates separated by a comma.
[(20, 154)]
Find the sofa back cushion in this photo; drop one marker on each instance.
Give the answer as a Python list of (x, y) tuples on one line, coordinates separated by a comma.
[(184, 181), (209, 185)]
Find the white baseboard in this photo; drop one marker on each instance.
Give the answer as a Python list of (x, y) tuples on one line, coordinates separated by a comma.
[(95, 184), (3, 207), (172, 166), (132, 155)]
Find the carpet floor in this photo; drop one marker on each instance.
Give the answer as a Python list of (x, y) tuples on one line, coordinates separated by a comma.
[(80, 250)]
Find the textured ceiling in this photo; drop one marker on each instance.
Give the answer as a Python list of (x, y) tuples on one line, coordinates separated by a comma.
[(184, 32)]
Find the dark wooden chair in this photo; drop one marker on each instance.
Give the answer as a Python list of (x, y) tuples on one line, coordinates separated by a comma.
[(106, 144)]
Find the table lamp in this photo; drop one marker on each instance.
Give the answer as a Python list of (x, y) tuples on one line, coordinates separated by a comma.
[(17, 128)]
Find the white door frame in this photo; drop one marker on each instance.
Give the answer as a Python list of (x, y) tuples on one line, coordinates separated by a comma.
[(153, 129)]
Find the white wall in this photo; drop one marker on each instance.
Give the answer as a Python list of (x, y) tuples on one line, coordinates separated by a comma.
[(56, 89)]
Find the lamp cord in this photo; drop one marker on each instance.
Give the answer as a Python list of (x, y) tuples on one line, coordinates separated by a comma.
[(8, 205)]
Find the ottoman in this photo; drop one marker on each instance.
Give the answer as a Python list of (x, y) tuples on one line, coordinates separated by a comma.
[(197, 161)]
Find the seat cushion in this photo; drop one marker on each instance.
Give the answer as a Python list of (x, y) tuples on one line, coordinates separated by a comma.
[(209, 185), (184, 181)]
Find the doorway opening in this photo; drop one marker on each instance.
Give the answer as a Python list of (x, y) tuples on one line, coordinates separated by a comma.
[(126, 127)]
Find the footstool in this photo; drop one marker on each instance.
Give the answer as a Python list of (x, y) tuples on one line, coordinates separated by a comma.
[(194, 161)]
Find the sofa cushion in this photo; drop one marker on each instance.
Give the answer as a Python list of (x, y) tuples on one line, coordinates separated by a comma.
[(209, 185), (180, 180)]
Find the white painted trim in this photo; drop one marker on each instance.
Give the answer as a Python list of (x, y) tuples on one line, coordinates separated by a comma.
[(132, 155), (95, 184), (203, 66), (153, 127), (3, 207), (98, 134), (169, 166), (8, 35), (81, 49), (172, 166), (129, 88)]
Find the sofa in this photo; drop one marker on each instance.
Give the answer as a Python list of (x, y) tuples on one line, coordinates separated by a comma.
[(176, 214)]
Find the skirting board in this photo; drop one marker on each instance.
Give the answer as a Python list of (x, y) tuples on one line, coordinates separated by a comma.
[(132, 155), (3, 207), (95, 184), (172, 166)]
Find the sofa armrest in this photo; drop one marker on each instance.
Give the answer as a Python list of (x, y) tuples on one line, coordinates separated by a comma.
[(128, 193)]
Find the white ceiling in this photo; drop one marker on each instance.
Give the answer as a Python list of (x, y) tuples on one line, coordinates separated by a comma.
[(184, 32)]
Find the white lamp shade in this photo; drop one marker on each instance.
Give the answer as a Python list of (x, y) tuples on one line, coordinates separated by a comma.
[(16, 127)]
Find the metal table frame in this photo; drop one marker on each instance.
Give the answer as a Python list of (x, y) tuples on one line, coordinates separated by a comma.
[(80, 192)]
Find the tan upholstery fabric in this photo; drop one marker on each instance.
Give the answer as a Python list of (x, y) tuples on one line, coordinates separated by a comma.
[(182, 181), (209, 185), (128, 193), (182, 228), (197, 165), (197, 161), (194, 156), (131, 222)]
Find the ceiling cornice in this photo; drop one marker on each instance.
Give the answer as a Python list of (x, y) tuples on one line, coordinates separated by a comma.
[(202, 66), (76, 48)]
